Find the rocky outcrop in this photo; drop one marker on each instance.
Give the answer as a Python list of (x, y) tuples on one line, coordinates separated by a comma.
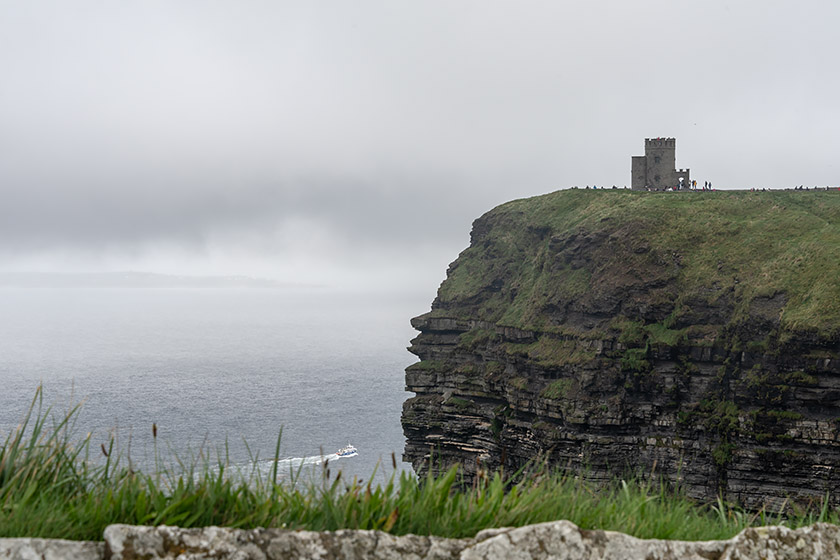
[(619, 334), (50, 549), (557, 540), (134, 543)]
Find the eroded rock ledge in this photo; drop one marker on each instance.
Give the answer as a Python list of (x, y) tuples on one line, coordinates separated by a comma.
[(559, 540), (758, 427)]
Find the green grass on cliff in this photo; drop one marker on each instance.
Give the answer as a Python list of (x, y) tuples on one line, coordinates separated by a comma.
[(678, 248), (50, 487)]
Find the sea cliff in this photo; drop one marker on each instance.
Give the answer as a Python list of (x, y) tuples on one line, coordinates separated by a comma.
[(694, 337)]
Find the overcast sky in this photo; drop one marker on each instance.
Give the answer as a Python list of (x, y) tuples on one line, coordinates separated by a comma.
[(355, 141)]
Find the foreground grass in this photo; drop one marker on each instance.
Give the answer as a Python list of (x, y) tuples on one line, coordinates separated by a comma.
[(49, 487)]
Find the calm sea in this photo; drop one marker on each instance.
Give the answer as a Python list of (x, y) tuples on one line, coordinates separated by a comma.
[(214, 367)]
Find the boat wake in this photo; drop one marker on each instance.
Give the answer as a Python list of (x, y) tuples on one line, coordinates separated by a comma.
[(293, 465), (289, 468)]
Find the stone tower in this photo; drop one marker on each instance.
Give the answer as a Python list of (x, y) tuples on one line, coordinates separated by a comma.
[(657, 168)]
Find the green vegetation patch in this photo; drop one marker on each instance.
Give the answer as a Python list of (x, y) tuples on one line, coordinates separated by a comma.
[(519, 383), (632, 333), (50, 488), (463, 405), (660, 334), (635, 360), (549, 351), (476, 337), (435, 366), (494, 368), (721, 418), (558, 389), (761, 257), (770, 388)]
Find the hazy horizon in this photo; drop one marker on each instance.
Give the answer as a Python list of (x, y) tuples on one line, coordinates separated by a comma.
[(353, 144)]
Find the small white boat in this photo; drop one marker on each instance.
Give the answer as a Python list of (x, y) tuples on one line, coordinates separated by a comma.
[(347, 451)]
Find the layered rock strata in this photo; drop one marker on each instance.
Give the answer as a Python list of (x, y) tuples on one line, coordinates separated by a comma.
[(694, 340)]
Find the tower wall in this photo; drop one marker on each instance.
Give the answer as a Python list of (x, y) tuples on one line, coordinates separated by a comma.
[(638, 172), (661, 157), (684, 173), (657, 168)]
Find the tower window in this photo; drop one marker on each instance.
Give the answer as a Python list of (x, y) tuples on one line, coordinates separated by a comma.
[(657, 159)]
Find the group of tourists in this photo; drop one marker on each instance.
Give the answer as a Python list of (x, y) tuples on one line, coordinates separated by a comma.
[(799, 188), (692, 186), (596, 187), (707, 186)]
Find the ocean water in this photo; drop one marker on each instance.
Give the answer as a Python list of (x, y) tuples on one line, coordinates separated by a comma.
[(218, 370)]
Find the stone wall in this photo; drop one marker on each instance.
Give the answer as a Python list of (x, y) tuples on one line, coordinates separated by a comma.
[(559, 540)]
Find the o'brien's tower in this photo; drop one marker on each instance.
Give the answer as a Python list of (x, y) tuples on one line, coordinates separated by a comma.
[(657, 168)]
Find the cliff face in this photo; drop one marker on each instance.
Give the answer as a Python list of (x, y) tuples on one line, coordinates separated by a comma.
[(692, 336)]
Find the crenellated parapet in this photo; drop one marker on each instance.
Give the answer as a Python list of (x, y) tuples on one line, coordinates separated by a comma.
[(660, 143)]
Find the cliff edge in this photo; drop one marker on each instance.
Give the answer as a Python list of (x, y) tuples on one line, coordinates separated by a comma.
[(693, 336)]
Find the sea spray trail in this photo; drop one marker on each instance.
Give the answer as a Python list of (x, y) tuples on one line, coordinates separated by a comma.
[(293, 464), (289, 468)]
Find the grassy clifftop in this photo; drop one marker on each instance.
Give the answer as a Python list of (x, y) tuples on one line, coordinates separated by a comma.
[(587, 260)]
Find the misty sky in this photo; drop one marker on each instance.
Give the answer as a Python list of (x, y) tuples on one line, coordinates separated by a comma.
[(355, 141)]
